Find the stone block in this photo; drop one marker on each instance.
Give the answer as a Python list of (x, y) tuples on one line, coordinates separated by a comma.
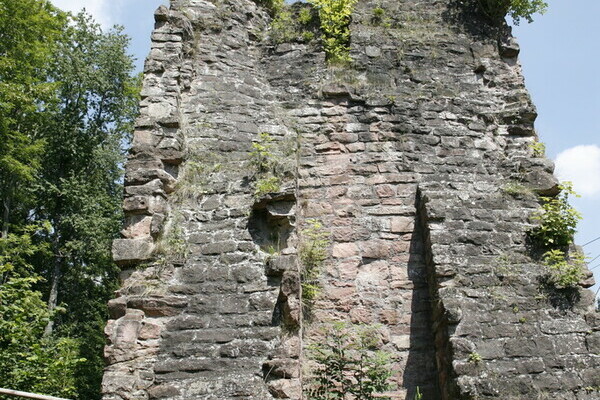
[(129, 251)]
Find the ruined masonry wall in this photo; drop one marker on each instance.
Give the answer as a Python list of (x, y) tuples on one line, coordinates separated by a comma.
[(404, 157)]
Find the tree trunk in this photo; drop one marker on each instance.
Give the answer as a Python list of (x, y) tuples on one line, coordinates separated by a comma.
[(56, 275), (6, 216)]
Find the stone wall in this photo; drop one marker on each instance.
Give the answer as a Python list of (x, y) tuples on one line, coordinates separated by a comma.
[(405, 157)]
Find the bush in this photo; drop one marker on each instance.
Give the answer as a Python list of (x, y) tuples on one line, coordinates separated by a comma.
[(558, 220), (564, 271), (335, 16), (29, 360), (348, 364)]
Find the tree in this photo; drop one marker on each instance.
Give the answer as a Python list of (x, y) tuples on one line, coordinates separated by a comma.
[(28, 33), (67, 103), (80, 183), (27, 359), (348, 364)]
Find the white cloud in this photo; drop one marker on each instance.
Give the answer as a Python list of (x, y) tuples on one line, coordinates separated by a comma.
[(105, 12), (580, 165)]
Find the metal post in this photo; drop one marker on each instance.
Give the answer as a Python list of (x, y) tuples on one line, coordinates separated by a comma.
[(29, 395)]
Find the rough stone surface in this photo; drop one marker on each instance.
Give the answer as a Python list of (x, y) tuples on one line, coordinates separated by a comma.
[(404, 157)]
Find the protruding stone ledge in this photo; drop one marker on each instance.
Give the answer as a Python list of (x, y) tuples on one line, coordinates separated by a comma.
[(131, 251)]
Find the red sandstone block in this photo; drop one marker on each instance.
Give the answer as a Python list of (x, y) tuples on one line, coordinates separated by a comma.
[(402, 224)]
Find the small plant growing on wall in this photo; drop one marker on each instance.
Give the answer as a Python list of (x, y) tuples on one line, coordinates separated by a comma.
[(418, 394), (271, 162), (348, 364), (564, 270), (262, 155), (293, 26), (314, 242), (538, 149), (557, 220), (335, 16), (516, 9), (271, 184), (474, 358), (171, 246), (195, 175)]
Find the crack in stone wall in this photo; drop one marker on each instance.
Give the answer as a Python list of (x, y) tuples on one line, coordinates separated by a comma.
[(403, 157)]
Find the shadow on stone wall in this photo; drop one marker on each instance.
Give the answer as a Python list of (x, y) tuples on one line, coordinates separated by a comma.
[(465, 15), (421, 370)]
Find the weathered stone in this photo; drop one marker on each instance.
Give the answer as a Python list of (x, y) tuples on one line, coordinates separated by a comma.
[(117, 307), (127, 251), (403, 159), (158, 307)]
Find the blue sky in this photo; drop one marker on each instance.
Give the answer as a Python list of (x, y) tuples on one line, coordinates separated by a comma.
[(560, 54)]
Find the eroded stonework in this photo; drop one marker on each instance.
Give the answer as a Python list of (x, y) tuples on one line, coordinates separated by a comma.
[(404, 157)]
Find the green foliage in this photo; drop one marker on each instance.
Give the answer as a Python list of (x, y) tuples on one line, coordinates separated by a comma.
[(379, 17), (418, 394), (172, 246), (290, 26), (538, 149), (283, 27), (516, 9), (348, 364), (314, 242), (335, 16), (474, 358), (271, 162), (261, 157), (194, 176), (565, 270), (378, 12), (28, 360), (67, 104), (271, 184), (29, 31), (274, 6), (557, 220), (305, 16)]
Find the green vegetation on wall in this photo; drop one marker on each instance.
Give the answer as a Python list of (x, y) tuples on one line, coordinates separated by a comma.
[(171, 246), (565, 270), (290, 26), (348, 363), (335, 17), (314, 242), (517, 9), (272, 161), (555, 233), (557, 220)]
